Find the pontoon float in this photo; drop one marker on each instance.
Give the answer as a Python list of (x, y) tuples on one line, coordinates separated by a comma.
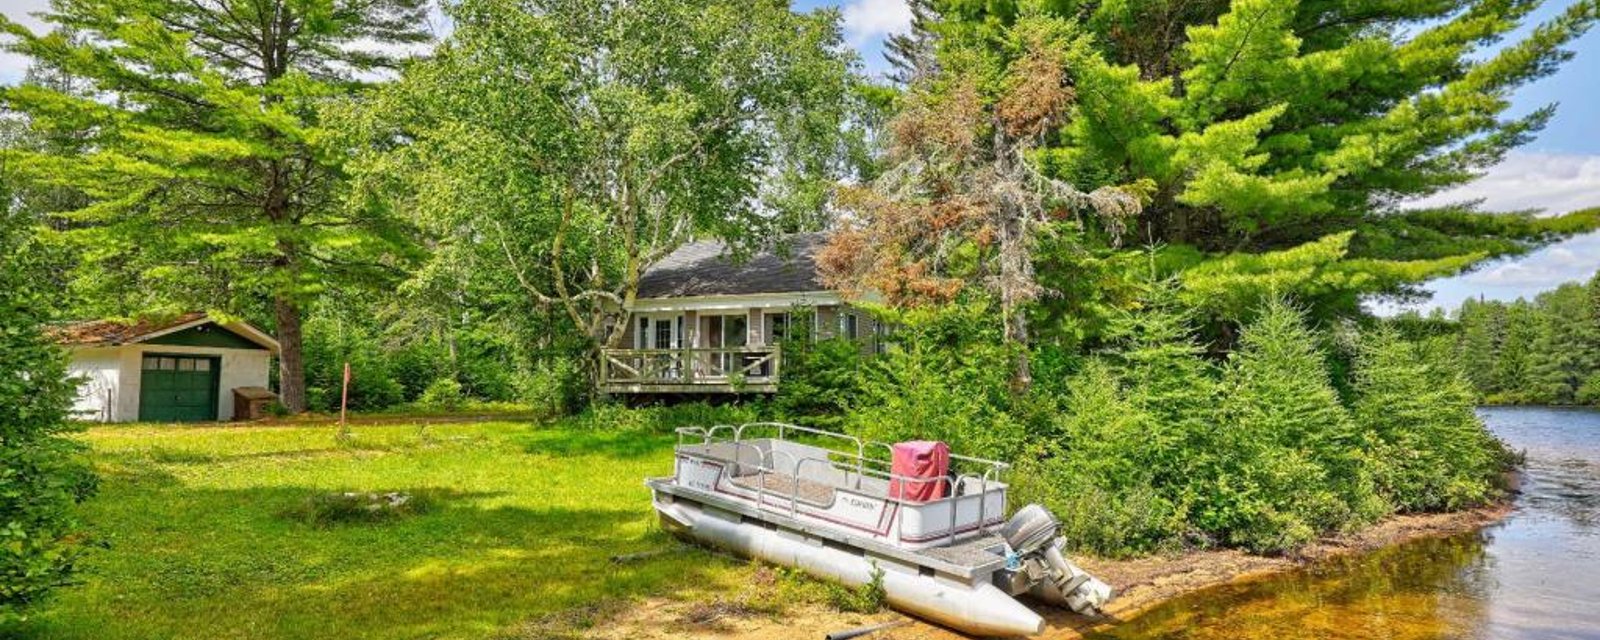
[(844, 509)]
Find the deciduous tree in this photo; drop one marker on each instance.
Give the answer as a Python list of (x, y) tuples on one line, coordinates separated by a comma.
[(41, 473), (568, 144)]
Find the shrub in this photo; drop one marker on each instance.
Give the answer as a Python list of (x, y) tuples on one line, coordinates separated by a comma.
[(1429, 449), (553, 386), (41, 473), (332, 340), (484, 365), (1285, 460), (662, 419), (947, 378), (414, 367), (1589, 393), (1095, 472), (443, 394), (820, 381)]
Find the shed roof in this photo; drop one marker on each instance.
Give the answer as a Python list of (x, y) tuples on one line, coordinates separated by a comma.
[(707, 268), (110, 333)]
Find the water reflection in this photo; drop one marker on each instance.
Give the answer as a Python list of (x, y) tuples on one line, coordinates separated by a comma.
[(1536, 575)]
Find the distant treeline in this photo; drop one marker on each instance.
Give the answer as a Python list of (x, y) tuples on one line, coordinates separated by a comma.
[(1546, 351)]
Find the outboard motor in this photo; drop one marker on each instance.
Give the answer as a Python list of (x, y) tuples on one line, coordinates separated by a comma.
[(1031, 533)]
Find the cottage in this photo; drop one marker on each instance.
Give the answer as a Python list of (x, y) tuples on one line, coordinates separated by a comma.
[(706, 323), (179, 370)]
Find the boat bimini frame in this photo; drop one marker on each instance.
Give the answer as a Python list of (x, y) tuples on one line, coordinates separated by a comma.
[(791, 499)]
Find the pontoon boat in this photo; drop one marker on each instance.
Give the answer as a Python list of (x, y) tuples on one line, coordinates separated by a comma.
[(930, 522)]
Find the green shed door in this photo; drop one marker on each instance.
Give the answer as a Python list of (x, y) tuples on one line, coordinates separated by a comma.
[(178, 388)]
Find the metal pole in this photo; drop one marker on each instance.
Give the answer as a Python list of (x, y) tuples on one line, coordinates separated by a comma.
[(858, 632)]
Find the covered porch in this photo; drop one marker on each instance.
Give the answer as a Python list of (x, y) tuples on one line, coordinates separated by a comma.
[(719, 344), (691, 370)]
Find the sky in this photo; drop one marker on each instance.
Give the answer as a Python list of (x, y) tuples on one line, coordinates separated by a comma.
[(1559, 171)]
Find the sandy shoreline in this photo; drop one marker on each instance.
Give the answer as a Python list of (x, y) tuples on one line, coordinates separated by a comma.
[(1141, 584)]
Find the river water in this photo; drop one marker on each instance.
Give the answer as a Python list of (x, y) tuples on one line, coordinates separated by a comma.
[(1535, 575)]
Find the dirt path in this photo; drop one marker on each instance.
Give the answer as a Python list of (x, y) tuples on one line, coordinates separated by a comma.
[(1140, 584)]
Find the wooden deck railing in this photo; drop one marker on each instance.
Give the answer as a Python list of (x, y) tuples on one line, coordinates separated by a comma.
[(729, 369)]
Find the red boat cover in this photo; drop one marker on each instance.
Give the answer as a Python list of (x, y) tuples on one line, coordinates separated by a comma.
[(920, 459)]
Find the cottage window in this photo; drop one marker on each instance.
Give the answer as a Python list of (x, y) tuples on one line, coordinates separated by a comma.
[(777, 327), (663, 334)]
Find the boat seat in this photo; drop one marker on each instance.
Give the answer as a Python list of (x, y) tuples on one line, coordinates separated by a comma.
[(782, 484)]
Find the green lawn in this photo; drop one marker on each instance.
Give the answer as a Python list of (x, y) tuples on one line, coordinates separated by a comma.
[(198, 543)]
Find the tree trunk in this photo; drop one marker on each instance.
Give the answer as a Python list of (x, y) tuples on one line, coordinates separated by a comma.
[(291, 358), (1016, 275), (1017, 334)]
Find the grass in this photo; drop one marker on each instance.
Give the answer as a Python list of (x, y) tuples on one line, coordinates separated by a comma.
[(522, 520)]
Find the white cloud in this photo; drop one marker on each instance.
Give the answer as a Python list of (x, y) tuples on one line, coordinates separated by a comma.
[(21, 12), (1555, 183), (866, 20)]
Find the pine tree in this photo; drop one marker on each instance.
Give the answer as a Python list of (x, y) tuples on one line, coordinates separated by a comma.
[(961, 202), (213, 183), (1567, 349), (1270, 124), (911, 55), (1513, 369), (1429, 449), (1589, 392), (1289, 452), (1482, 333)]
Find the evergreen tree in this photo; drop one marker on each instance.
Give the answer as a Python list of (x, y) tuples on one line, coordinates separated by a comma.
[(1152, 349), (1568, 344), (1589, 393), (946, 378), (1097, 473), (1512, 371), (912, 54), (213, 183), (1482, 333), (1289, 463), (1270, 124), (1429, 449), (1546, 351), (961, 201)]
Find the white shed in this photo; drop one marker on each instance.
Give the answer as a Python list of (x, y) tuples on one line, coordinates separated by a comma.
[(179, 370)]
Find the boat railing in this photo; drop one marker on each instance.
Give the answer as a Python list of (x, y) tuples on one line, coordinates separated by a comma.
[(783, 433), (766, 463)]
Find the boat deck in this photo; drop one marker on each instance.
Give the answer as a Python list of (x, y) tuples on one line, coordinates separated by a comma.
[(783, 484), (977, 552)]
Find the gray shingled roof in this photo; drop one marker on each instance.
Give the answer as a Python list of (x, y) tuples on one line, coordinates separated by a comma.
[(707, 269)]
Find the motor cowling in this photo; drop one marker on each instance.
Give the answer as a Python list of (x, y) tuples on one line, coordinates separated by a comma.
[(1032, 535)]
